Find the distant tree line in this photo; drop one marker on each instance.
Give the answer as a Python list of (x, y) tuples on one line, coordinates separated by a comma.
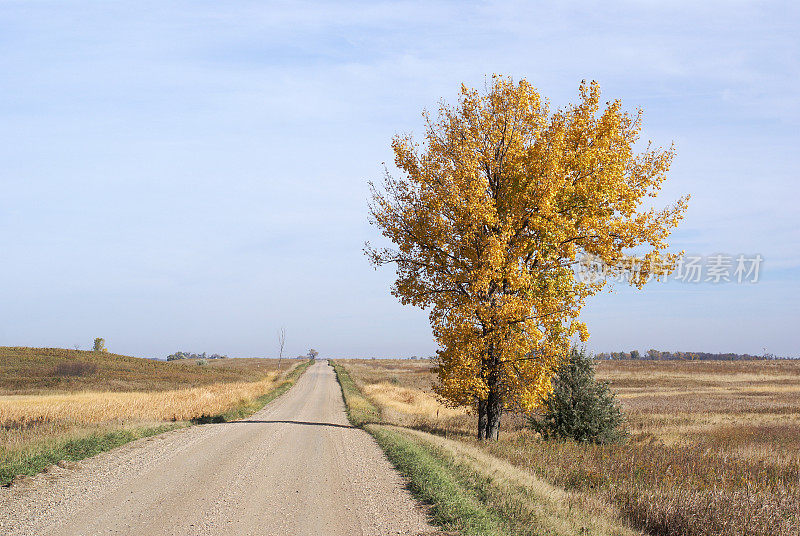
[(658, 355), (190, 355)]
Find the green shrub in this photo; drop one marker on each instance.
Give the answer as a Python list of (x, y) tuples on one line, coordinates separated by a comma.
[(579, 407), (99, 345)]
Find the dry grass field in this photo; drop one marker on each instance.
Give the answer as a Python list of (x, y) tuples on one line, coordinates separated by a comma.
[(25, 371), (54, 397), (714, 447)]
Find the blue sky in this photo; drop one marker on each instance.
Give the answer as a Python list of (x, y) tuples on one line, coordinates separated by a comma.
[(192, 175)]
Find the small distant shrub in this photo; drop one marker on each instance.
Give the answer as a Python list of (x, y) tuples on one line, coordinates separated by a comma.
[(74, 369), (579, 407), (208, 419), (202, 362), (99, 345)]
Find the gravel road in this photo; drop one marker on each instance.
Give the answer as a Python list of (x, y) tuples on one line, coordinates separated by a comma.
[(294, 468)]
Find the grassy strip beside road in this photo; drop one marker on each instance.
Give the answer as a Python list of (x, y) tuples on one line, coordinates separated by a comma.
[(84, 444), (528, 504), (455, 506), (29, 462), (472, 492), (360, 410)]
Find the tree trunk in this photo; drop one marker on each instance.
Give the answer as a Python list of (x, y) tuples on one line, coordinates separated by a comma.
[(494, 401), (494, 410), (482, 419), (490, 410)]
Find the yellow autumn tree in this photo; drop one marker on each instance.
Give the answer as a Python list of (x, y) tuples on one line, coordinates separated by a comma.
[(492, 214)]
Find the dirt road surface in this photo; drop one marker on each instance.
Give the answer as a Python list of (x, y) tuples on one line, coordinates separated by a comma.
[(294, 468)]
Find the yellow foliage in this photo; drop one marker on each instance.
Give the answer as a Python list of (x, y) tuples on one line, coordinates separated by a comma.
[(493, 212)]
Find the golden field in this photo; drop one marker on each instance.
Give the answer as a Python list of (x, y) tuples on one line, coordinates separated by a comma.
[(22, 412), (714, 446), (52, 396)]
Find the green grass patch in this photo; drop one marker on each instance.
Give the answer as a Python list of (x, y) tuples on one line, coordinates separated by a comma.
[(455, 499), (73, 449)]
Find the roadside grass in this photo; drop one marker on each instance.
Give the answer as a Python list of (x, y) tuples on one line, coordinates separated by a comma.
[(72, 449), (472, 492), (526, 504), (714, 447), (39, 430), (430, 478), (360, 411), (455, 504)]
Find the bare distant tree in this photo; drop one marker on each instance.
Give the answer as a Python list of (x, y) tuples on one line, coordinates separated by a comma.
[(312, 354), (281, 343)]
